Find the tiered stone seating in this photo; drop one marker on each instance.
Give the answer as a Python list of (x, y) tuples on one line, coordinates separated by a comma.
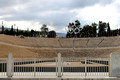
[(62, 42), (49, 47), (108, 42), (43, 42), (66, 42), (93, 42), (80, 42)]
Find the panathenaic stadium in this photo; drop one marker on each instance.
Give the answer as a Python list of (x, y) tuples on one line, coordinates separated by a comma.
[(59, 58)]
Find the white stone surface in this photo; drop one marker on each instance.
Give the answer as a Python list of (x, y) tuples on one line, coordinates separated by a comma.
[(59, 65), (53, 75), (10, 65), (115, 65)]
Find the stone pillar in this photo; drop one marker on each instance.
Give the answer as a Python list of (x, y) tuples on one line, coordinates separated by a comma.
[(10, 66), (85, 66), (115, 65), (59, 65)]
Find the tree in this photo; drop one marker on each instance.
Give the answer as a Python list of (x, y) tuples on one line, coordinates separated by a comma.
[(20, 32), (7, 32), (68, 35), (102, 29), (44, 30), (87, 31), (119, 31), (73, 29), (114, 32), (2, 29), (52, 34), (11, 31), (70, 32), (108, 30), (17, 33), (94, 29), (32, 33)]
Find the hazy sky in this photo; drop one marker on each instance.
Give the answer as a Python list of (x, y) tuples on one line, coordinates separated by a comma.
[(56, 14)]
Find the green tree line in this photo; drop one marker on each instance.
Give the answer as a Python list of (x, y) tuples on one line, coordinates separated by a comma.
[(43, 33), (102, 29)]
